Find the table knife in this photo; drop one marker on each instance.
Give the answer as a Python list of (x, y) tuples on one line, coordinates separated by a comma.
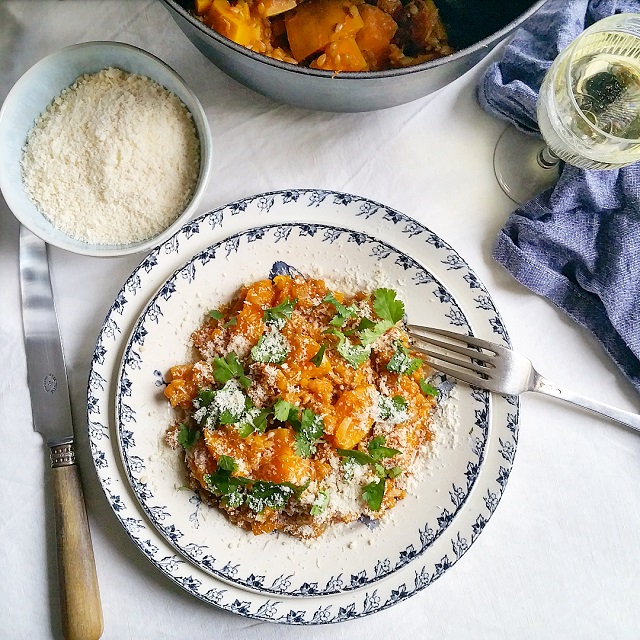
[(51, 409)]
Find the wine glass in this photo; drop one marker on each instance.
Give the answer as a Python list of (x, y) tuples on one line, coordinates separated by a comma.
[(588, 111)]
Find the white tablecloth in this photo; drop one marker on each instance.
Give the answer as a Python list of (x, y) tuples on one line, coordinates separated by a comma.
[(560, 557)]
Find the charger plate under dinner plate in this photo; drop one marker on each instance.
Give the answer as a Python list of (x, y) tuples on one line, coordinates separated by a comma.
[(356, 568)]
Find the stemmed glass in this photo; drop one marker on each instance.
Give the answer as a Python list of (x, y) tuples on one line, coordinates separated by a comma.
[(588, 111)]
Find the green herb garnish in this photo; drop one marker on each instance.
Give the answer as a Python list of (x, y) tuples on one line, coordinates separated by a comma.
[(227, 463), (224, 369), (231, 322), (387, 306), (371, 334), (272, 348), (342, 312), (317, 359), (223, 484), (392, 409), (227, 405), (401, 362), (427, 389), (358, 456), (378, 451), (215, 314), (354, 354), (254, 420), (279, 314), (188, 437), (373, 493), (320, 503), (284, 411), (309, 429)]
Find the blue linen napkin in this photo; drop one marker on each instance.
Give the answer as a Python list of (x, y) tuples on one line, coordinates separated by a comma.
[(578, 243)]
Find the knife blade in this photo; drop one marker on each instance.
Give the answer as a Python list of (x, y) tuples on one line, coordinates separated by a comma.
[(47, 380)]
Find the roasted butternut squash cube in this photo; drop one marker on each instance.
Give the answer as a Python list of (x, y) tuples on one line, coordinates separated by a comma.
[(342, 55), (202, 6), (316, 23), (278, 461), (375, 36), (353, 417), (261, 293), (268, 8), (233, 21)]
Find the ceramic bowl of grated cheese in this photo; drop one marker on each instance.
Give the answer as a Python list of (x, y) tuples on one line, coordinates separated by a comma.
[(105, 149)]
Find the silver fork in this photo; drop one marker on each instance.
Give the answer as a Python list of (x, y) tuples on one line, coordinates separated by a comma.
[(490, 366)]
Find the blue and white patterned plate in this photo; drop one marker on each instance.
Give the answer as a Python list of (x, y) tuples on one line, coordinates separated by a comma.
[(276, 577)]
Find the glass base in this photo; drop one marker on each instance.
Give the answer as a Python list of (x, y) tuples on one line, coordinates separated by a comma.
[(517, 169)]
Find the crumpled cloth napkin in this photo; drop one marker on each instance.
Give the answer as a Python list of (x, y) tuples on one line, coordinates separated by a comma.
[(578, 243)]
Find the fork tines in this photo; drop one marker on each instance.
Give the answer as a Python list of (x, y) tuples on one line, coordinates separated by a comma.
[(472, 368)]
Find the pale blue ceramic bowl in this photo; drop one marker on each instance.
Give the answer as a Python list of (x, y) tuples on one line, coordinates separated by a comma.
[(39, 86)]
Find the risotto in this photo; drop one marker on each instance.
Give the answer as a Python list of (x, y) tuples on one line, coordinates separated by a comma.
[(305, 407)]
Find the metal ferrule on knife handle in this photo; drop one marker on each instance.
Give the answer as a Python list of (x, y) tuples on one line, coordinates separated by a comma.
[(62, 455)]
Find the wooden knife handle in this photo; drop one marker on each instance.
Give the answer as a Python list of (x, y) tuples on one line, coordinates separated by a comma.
[(79, 593)]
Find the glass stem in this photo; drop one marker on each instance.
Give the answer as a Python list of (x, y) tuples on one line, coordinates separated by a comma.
[(547, 159)]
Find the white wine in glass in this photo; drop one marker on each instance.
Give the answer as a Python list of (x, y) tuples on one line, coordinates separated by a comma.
[(588, 110)]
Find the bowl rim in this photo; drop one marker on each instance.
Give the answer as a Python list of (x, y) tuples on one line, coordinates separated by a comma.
[(200, 122), (363, 75)]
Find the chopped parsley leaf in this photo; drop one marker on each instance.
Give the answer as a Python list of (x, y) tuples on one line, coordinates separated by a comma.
[(284, 411), (365, 323), (320, 503), (340, 308), (279, 314), (394, 472), (387, 306), (272, 348), (393, 410), (215, 314), (371, 334), (204, 398), (401, 362), (188, 437), (342, 312), (227, 405), (227, 463), (224, 369), (355, 455), (309, 429), (254, 420), (317, 359), (232, 322), (427, 389), (373, 493), (269, 494), (354, 354), (378, 451)]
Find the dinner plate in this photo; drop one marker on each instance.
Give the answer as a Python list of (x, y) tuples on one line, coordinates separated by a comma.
[(355, 570)]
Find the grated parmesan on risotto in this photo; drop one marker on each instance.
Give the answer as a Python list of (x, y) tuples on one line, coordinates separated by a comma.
[(307, 408)]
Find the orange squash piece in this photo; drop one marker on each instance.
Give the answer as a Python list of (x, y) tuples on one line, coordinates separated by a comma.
[(316, 23), (375, 36), (353, 417), (202, 6), (268, 8), (234, 21), (343, 55)]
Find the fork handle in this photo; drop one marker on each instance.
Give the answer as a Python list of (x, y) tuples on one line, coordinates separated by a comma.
[(542, 385)]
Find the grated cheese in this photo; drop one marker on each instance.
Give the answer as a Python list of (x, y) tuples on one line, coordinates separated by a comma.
[(272, 347), (114, 159)]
